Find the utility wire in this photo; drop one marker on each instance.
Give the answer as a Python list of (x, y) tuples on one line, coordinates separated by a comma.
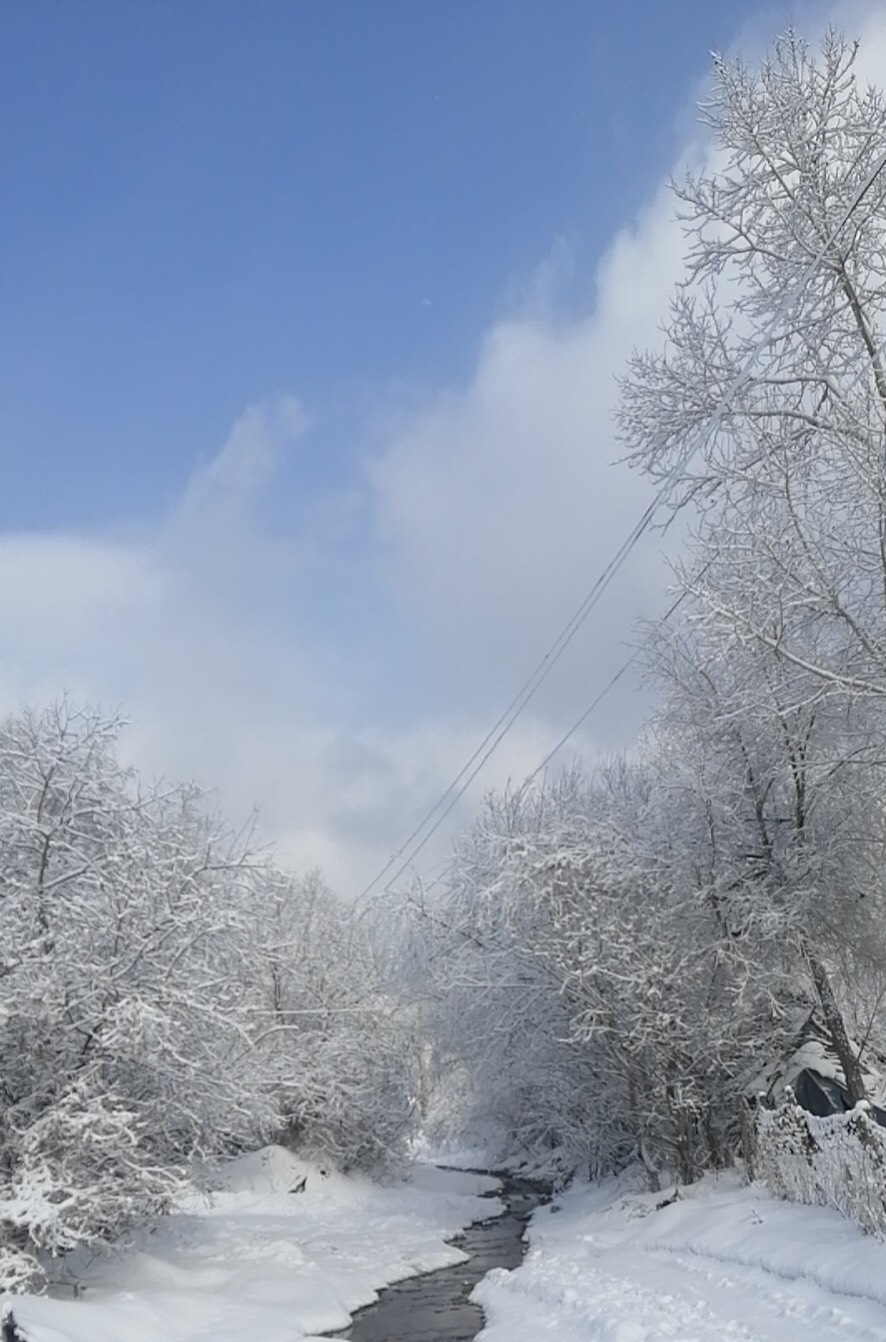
[(540, 673), (459, 785), (507, 719), (610, 684), (626, 666), (493, 740)]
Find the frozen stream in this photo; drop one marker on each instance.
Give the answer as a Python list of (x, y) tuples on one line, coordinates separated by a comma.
[(435, 1307)]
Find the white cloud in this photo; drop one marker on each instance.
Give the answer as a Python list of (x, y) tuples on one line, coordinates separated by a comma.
[(499, 505), (489, 512), (248, 460), (61, 599), (56, 585)]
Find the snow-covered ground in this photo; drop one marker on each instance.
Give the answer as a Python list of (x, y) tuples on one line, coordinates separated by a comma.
[(263, 1261), (724, 1263)]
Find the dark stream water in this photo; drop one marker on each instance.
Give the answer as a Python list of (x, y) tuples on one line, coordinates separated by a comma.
[(435, 1307)]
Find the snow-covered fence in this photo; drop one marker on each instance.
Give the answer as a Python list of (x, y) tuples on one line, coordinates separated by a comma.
[(839, 1161)]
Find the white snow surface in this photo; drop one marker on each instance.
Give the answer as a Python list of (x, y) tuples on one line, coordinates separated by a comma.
[(724, 1263), (261, 1261)]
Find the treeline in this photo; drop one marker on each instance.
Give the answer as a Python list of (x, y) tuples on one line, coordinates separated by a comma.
[(166, 995), (616, 957)]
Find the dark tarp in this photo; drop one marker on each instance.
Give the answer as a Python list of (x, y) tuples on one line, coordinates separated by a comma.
[(822, 1095)]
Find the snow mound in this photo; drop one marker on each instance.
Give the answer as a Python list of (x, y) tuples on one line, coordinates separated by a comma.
[(283, 1249)]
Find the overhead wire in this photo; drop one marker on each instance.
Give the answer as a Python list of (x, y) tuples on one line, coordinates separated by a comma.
[(519, 702), (459, 785), (610, 685), (526, 692)]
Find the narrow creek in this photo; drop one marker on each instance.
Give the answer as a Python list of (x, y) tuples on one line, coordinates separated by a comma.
[(435, 1307)]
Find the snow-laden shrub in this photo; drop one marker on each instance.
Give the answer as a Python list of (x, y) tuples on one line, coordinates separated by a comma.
[(839, 1161), (351, 1101), (83, 1173), (120, 1024)]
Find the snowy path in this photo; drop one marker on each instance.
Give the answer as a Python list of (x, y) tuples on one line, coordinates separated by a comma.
[(723, 1264)]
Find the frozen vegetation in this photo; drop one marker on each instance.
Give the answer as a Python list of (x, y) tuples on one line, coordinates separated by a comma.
[(616, 959)]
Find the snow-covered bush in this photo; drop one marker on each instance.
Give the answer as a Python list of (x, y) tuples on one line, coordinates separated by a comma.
[(84, 1172), (839, 1161), (491, 1007)]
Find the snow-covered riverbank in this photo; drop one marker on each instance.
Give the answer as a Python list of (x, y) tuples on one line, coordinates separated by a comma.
[(262, 1260), (275, 1260), (722, 1262)]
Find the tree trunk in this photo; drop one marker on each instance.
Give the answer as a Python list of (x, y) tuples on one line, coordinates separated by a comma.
[(833, 1019)]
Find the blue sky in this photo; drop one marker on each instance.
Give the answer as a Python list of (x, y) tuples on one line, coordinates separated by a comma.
[(212, 202), (312, 311)]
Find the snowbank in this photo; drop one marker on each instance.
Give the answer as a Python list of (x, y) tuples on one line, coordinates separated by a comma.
[(722, 1262), (284, 1250)]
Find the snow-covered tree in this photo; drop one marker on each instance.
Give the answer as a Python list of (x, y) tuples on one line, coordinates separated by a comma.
[(120, 1027), (166, 995), (767, 405), (577, 973), (767, 409), (501, 1066), (792, 784), (333, 1036)]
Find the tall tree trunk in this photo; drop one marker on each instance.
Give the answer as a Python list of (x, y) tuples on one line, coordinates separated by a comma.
[(836, 1028)]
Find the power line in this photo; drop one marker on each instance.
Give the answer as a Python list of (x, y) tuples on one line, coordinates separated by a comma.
[(537, 677), (447, 801), (459, 785), (598, 699)]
